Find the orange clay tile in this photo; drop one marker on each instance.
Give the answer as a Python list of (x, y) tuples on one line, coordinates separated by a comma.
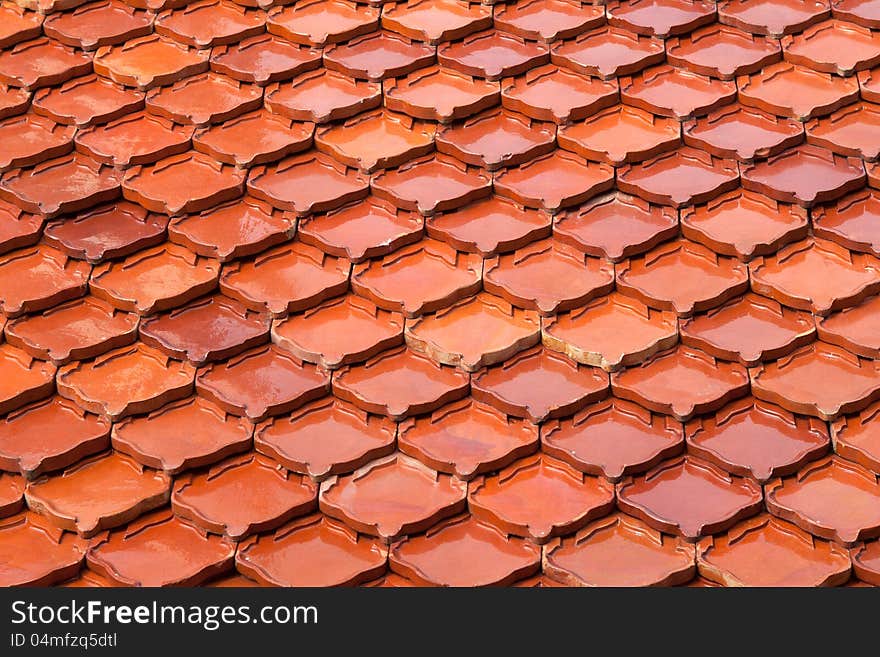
[(613, 438), (76, 330), (611, 332), (741, 132), (35, 553), (185, 434), (539, 498), (866, 563), (243, 495), (134, 139), (13, 101), (154, 280), (467, 438), (440, 94), (435, 20), (689, 497), (379, 55), (857, 11), (311, 551), (322, 96), (620, 134), (376, 140), (772, 17), (88, 100), (126, 381), (20, 229), (365, 229), (679, 177), (820, 380), (855, 329), (399, 383), (312, 182), (39, 277), (392, 497), (723, 52), (262, 382), (51, 434), (42, 62), (797, 92), (744, 224), (853, 131), (834, 47), (263, 59), (288, 278), (339, 332), (418, 279), (816, 275), (210, 23), (98, 24), (18, 25), (98, 493), (831, 498), (857, 438), (23, 378), (683, 277), (767, 551), (432, 184), (210, 329), (751, 438), (489, 226), (493, 55), (66, 184), (471, 334), (30, 139), (236, 229), (11, 491), (181, 184), (669, 91), (660, 18), (553, 93), (554, 181), (300, 441), (548, 20), (608, 52), (111, 231), (750, 329), (805, 175), (464, 551), (204, 99), (149, 61), (255, 138), (619, 551), (322, 22), (539, 384)]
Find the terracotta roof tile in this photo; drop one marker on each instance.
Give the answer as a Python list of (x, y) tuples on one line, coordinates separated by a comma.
[(35, 553), (25, 379), (11, 494), (39, 277), (857, 11), (609, 52), (722, 52), (674, 92), (102, 23), (857, 439), (30, 139), (323, 96), (493, 55), (435, 20), (263, 59), (322, 22), (13, 101), (42, 62), (660, 18), (865, 563), (254, 138), (134, 139), (742, 132), (851, 131), (210, 23), (88, 100), (19, 228), (379, 55), (149, 61), (794, 91), (773, 17), (555, 93), (203, 99), (834, 47), (440, 94), (550, 20), (18, 25), (853, 329)]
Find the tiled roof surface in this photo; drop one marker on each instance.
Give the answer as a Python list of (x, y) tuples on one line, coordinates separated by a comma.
[(426, 292)]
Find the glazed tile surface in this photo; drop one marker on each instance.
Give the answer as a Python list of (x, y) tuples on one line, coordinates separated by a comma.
[(439, 293)]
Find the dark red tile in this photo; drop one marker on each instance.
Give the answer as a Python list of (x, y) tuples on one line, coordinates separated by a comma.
[(379, 55), (18, 24), (539, 384), (683, 277), (262, 382), (750, 329), (855, 329), (773, 17), (722, 52), (853, 130), (832, 498), (204, 99), (78, 329), (134, 139), (98, 493), (256, 138), (554, 93), (611, 332), (539, 498), (30, 139), (263, 59), (24, 379), (126, 381), (322, 22), (85, 101), (548, 20), (674, 92), (660, 18), (795, 91), (299, 441), (339, 332), (834, 47), (819, 380), (288, 278), (613, 438), (35, 553), (493, 55), (399, 383), (609, 52), (19, 229), (312, 551), (856, 438), (102, 23), (766, 551), (435, 20), (42, 62), (154, 280), (473, 333), (440, 94), (210, 23), (39, 277), (150, 61), (189, 556), (323, 96), (182, 435), (744, 133), (857, 11)]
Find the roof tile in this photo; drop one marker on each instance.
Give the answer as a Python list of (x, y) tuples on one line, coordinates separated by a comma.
[(857, 11), (834, 47), (42, 62), (435, 20), (30, 139), (722, 52), (853, 130), (35, 553), (263, 59), (322, 22), (797, 92), (379, 55), (742, 132), (18, 25), (440, 94), (255, 138), (24, 379), (554, 93), (773, 17), (13, 101), (674, 92), (493, 55), (854, 329), (866, 564), (210, 23), (36, 278), (660, 18), (134, 139), (89, 100), (20, 229), (856, 438), (608, 52), (149, 61), (548, 20), (102, 23), (203, 99), (323, 96)]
